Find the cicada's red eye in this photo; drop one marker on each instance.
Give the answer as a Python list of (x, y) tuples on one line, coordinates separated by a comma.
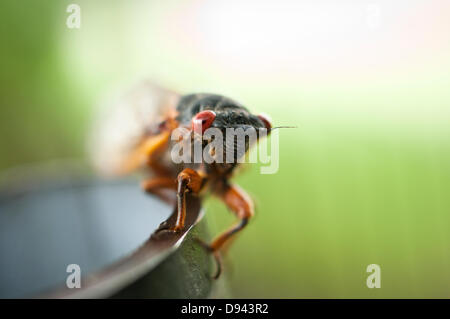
[(266, 120), (203, 120)]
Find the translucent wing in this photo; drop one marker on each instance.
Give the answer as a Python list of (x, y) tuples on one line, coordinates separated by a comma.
[(121, 125)]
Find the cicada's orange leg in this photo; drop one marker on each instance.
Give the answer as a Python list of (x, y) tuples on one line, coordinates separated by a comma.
[(156, 186), (242, 206), (187, 181)]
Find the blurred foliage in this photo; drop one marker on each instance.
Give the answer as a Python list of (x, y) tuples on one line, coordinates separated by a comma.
[(364, 179), (41, 113)]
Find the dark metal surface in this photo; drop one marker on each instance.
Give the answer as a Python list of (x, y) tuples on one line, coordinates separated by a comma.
[(186, 273), (104, 227)]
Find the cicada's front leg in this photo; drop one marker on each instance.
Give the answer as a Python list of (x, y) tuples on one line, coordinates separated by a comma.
[(188, 180), (241, 205)]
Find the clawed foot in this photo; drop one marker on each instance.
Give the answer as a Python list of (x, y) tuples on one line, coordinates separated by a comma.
[(164, 228), (215, 253)]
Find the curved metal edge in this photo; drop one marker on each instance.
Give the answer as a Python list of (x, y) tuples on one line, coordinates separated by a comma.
[(128, 270)]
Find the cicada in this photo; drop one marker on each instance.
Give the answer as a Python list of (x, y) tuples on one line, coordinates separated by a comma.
[(137, 133)]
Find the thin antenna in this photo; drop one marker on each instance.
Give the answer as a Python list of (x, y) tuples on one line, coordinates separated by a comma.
[(273, 128)]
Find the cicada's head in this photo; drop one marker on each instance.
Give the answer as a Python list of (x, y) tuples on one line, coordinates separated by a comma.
[(227, 129)]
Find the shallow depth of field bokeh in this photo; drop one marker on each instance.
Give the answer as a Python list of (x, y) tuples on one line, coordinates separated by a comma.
[(365, 178)]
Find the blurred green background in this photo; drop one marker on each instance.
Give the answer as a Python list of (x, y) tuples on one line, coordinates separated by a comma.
[(363, 179)]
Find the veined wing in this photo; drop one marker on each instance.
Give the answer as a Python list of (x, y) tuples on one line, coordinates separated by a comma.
[(122, 126)]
